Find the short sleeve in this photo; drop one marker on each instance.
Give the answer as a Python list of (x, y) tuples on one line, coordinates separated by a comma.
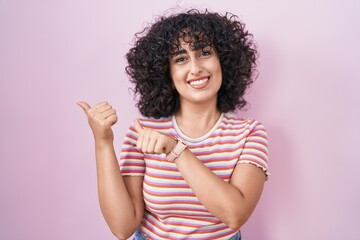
[(255, 149), (131, 159)]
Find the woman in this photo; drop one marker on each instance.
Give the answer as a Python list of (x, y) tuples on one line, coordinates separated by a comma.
[(184, 167)]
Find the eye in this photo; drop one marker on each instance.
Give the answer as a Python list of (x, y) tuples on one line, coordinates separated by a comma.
[(180, 59), (205, 52)]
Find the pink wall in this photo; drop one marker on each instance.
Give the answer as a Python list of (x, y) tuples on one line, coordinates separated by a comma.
[(54, 53)]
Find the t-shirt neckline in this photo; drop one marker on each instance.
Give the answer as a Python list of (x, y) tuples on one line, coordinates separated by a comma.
[(198, 139)]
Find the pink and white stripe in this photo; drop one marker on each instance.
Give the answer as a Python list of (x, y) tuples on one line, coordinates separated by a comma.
[(172, 209)]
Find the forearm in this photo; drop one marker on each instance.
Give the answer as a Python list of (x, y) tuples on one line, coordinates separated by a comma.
[(116, 203), (120, 200), (231, 202), (222, 199)]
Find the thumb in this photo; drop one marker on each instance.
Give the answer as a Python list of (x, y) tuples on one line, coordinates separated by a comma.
[(138, 126), (84, 105)]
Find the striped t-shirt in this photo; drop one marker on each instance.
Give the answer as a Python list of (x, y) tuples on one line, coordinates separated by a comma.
[(172, 211)]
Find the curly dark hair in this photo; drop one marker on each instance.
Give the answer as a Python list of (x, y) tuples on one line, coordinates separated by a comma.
[(149, 59)]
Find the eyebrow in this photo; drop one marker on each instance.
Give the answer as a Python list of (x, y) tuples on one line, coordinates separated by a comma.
[(178, 52), (182, 51)]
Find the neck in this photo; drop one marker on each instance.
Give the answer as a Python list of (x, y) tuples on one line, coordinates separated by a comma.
[(195, 121)]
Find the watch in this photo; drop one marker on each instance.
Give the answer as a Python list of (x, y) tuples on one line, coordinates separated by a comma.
[(176, 151)]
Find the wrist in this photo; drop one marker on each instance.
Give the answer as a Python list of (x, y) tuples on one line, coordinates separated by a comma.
[(103, 143), (176, 151)]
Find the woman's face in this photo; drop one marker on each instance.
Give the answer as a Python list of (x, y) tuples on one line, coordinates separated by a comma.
[(196, 74)]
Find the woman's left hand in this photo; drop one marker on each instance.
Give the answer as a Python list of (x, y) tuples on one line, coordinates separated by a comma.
[(151, 141)]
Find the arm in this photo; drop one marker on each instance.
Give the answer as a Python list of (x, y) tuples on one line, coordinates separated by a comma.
[(234, 201), (120, 198)]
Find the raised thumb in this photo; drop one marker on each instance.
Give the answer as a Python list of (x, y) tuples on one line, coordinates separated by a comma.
[(84, 105)]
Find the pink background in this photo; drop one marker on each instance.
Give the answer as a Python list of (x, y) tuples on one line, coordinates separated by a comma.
[(54, 53)]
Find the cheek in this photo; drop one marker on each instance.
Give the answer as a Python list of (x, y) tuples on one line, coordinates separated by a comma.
[(177, 76), (218, 71), (173, 76)]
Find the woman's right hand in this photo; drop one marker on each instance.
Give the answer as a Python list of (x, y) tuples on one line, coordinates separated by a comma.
[(101, 118)]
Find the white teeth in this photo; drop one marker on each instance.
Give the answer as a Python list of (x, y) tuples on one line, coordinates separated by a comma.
[(199, 82)]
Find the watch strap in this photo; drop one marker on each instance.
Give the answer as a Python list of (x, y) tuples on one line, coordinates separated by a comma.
[(177, 150)]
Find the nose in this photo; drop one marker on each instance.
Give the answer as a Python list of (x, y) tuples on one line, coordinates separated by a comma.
[(195, 67)]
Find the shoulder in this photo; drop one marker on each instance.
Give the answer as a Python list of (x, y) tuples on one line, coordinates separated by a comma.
[(234, 121)]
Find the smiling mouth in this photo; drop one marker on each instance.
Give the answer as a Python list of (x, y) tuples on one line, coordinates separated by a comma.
[(199, 82)]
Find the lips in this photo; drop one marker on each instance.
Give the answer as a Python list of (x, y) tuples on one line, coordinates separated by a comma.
[(199, 82)]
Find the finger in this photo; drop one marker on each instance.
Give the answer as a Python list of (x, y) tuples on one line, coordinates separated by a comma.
[(138, 126), (167, 144), (100, 104), (151, 145), (104, 108), (139, 142), (84, 105), (160, 148), (146, 133), (112, 119), (109, 113)]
